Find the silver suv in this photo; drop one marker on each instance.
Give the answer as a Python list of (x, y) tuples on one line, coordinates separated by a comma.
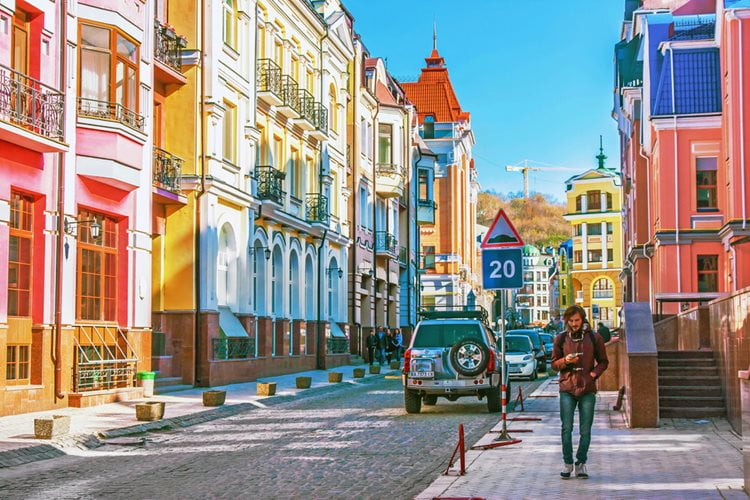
[(452, 355)]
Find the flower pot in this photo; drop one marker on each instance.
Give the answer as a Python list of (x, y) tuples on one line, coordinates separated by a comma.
[(335, 377), (266, 388), (359, 373), (374, 369), (395, 365), (303, 382), (152, 410), (51, 427), (214, 398)]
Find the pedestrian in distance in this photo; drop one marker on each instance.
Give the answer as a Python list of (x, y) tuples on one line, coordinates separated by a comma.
[(372, 344), (390, 347), (398, 339), (604, 332), (580, 357), (382, 344)]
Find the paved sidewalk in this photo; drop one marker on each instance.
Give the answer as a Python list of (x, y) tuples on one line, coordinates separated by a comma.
[(183, 408), (681, 459)]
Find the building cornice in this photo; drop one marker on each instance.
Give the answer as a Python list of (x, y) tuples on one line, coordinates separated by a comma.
[(687, 122)]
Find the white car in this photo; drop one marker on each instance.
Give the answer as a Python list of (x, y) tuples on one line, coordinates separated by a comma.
[(519, 355)]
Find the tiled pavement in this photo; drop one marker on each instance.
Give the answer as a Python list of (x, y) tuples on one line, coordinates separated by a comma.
[(681, 459), (184, 408)]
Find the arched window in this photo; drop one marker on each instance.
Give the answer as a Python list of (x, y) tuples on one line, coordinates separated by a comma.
[(277, 282), (333, 122), (294, 291), (603, 289), (259, 279), (309, 289), (226, 267), (333, 288), (429, 127)]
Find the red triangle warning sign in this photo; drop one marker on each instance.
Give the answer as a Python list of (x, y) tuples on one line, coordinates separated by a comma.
[(502, 234)]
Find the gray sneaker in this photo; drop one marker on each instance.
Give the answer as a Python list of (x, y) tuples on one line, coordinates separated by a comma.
[(567, 469), (581, 472)]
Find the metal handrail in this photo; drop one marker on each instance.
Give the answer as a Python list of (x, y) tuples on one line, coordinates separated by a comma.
[(167, 46), (390, 169), (233, 348), (91, 374), (30, 104), (320, 117), (270, 183), (307, 106), (290, 93), (385, 242), (427, 203), (269, 77), (91, 108), (337, 345), (167, 171), (316, 209)]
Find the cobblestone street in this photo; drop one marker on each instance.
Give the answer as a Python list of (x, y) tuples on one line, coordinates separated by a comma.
[(354, 443)]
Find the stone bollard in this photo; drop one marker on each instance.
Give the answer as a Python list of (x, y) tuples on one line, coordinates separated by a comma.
[(266, 388), (744, 376), (335, 377), (395, 364), (359, 373), (374, 369), (52, 427), (150, 411), (214, 398), (303, 382)]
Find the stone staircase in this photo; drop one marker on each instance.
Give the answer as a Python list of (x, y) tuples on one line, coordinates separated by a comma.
[(689, 385), (164, 385)]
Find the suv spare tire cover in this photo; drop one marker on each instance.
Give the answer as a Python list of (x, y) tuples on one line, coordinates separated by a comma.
[(469, 357)]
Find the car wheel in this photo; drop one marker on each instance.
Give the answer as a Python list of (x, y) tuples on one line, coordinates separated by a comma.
[(430, 400), (412, 401), (494, 403), (469, 357), (533, 375)]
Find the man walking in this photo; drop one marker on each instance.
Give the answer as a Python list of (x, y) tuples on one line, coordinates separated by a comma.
[(372, 344), (581, 358), (382, 345)]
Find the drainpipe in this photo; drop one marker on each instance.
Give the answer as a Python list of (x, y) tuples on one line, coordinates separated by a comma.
[(375, 209), (199, 195), (355, 197), (418, 232), (733, 17), (321, 354), (676, 177), (650, 228), (60, 244)]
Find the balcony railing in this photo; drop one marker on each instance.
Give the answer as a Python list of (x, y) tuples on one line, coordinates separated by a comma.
[(233, 348), (338, 345), (31, 104), (269, 77), (316, 209), (320, 117), (168, 46), (385, 242), (389, 169), (270, 182), (290, 93), (167, 171), (104, 358), (427, 204), (403, 256), (91, 108), (603, 294), (307, 106)]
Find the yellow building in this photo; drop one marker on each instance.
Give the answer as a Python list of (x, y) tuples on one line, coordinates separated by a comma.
[(594, 210)]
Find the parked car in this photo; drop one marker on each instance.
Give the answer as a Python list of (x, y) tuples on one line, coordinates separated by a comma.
[(519, 354), (549, 341), (536, 341), (452, 355)]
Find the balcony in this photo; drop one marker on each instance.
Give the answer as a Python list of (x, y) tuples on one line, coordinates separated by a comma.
[(91, 108), (385, 243), (305, 120), (32, 111), (389, 180), (167, 171), (290, 106), (403, 256), (270, 182), (316, 209), (269, 82), (426, 211), (320, 121), (168, 47)]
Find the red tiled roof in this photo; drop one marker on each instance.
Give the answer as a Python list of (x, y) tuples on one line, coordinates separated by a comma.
[(371, 61), (384, 95), (433, 93)]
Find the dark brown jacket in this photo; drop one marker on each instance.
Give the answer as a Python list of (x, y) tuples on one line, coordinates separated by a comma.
[(576, 379)]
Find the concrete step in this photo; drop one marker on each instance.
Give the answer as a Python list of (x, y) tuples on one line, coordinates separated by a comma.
[(685, 354), (171, 388), (686, 362), (166, 381), (690, 402), (686, 391), (692, 370), (691, 381), (667, 412)]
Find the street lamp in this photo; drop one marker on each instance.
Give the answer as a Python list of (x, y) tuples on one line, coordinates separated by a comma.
[(266, 251), (335, 269), (95, 228)]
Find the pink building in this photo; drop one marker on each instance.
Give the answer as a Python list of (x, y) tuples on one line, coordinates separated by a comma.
[(678, 102), (74, 290)]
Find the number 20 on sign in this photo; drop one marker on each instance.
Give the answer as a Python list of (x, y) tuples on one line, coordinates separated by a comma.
[(501, 268)]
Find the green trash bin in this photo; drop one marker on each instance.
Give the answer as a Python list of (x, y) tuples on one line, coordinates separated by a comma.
[(146, 380)]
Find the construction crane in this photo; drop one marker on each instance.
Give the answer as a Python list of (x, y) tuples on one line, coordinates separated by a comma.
[(526, 168)]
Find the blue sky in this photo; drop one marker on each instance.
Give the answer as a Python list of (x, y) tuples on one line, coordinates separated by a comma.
[(536, 75)]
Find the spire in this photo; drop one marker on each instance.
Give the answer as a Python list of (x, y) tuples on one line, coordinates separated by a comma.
[(434, 35), (434, 61), (601, 156)]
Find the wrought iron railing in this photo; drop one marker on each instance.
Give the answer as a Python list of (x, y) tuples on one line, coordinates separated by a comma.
[(104, 358), (403, 255), (603, 294), (427, 204), (269, 77), (385, 242), (233, 348), (290, 93), (307, 106), (270, 183), (167, 171), (389, 169), (316, 209), (30, 104), (338, 345), (168, 46), (320, 117), (91, 108)]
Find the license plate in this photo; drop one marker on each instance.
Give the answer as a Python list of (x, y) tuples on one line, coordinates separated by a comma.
[(421, 374), (515, 370)]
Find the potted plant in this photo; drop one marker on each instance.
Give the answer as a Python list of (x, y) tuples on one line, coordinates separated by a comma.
[(182, 41), (149, 411), (214, 398)]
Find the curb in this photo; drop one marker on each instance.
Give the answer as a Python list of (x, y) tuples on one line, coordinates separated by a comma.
[(56, 448)]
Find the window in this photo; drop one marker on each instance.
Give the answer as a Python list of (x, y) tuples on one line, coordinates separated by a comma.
[(363, 136), (385, 153), (708, 273), (20, 42), (424, 185), (109, 68), (595, 255), (610, 255), (97, 269), (578, 256), (429, 127), (594, 201), (363, 219), (333, 122), (609, 201), (579, 203), (528, 276), (19, 254), (278, 153), (577, 229), (610, 228), (230, 133), (603, 289), (705, 183), (594, 229), (17, 364), (230, 23), (293, 174), (429, 257), (369, 141)]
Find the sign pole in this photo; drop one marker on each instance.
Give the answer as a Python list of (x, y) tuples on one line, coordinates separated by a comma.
[(504, 436)]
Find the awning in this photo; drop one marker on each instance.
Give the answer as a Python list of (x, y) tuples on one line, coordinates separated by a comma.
[(229, 325)]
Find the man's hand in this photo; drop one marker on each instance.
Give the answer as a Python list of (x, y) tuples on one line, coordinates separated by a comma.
[(593, 375)]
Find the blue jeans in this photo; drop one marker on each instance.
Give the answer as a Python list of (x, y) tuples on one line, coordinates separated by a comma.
[(568, 403), (381, 355)]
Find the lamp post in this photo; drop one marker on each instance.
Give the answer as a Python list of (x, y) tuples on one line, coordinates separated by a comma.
[(95, 228)]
